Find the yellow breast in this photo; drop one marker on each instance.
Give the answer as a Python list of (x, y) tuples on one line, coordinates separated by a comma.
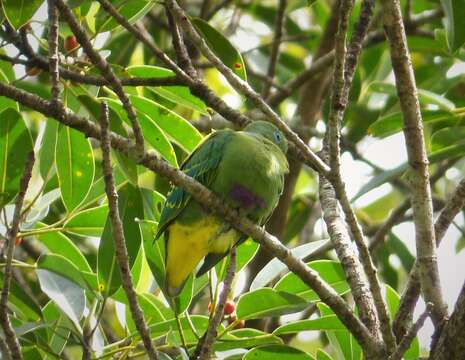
[(189, 244)]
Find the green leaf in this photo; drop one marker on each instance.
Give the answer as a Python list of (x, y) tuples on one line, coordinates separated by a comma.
[(75, 166), (244, 254), (15, 145), (7, 74), (446, 137), (321, 355), (329, 322), (424, 96), (20, 302), (60, 244), (426, 45), (88, 222), (128, 166), (245, 338), (130, 209), (271, 270), (178, 128), (42, 206), (222, 47), (57, 335), (299, 212), (342, 341), (6, 102), (47, 149), (131, 10), (19, 12), (455, 23), (393, 300), (277, 352), (330, 271), (398, 247), (152, 314), (97, 190), (268, 302), (200, 324), (62, 266), (154, 250), (68, 296), (380, 179), (153, 203), (179, 95), (153, 134), (183, 300)]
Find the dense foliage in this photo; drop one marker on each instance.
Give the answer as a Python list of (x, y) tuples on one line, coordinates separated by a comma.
[(65, 271)]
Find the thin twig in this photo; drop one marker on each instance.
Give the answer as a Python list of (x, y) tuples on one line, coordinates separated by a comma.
[(372, 38), (451, 342), (418, 160), (5, 350), (344, 69), (104, 68), (180, 48), (220, 5), (76, 77), (10, 335), (205, 346), (280, 23), (118, 237), (53, 56), (412, 290), (200, 193), (408, 338), (341, 242)]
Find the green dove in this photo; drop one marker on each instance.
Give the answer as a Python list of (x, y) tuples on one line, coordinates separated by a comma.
[(246, 169)]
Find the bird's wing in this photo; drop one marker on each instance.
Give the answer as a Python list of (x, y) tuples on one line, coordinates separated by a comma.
[(202, 165)]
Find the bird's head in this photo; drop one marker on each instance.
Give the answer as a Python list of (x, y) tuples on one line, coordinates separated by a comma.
[(268, 131)]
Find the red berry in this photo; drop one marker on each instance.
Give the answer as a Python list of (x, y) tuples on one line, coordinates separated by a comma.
[(240, 325), (229, 307), (32, 70), (71, 43), (18, 241)]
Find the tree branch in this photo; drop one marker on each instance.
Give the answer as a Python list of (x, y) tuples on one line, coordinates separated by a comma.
[(408, 338), (451, 343), (104, 68), (274, 55), (53, 57), (206, 344), (10, 335), (342, 243), (412, 290), (416, 151), (343, 75), (118, 237)]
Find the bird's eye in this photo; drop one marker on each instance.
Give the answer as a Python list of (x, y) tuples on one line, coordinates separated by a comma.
[(277, 136)]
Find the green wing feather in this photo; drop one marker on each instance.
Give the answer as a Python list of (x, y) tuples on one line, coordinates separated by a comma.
[(201, 165)]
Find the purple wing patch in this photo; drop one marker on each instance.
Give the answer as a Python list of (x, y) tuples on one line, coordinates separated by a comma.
[(245, 197)]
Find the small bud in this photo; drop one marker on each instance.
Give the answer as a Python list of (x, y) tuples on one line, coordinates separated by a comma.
[(71, 43)]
